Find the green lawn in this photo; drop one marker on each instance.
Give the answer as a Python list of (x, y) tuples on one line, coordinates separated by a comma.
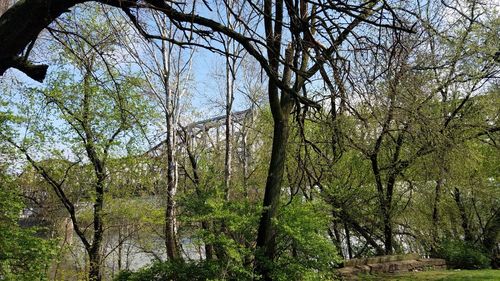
[(485, 274)]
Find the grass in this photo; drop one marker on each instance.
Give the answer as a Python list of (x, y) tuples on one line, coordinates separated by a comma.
[(444, 275)]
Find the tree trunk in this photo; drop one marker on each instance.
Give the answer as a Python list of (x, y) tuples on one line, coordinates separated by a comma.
[(281, 108), (463, 216), (169, 111), (229, 124), (336, 238), (244, 140), (435, 216), (348, 240), (95, 253), (266, 233), (387, 231), (120, 248), (230, 69), (170, 212), (100, 174), (384, 206), (94, 265)]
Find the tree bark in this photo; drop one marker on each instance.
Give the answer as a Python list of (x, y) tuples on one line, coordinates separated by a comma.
[(463, 216), (266, 233), (170, 211), (266, 246), (229, 124), (20, 25), (348, 240), (230, 77), (435, 215)]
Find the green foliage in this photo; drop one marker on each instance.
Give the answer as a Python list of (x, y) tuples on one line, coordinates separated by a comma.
[(231, 228), (463, 255), (23, 256), (174, 270), (305, 251)]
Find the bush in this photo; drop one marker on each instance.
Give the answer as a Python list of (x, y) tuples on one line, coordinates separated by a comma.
[(305, 251), (463, 255), (175, 270), (23, 255)]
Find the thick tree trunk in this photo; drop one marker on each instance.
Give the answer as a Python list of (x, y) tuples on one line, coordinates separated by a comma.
[(387, 231), (266, 234), (94, 265), (20, 25), (170, 237), (281, 108)]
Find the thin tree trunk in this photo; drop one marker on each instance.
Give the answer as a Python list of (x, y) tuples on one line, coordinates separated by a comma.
[(209, 248), (245, 161), (120, 246), (435, 216), (362, 231), (95, 250), (348, 240), (170, 210), (230, 68), (336, 239)]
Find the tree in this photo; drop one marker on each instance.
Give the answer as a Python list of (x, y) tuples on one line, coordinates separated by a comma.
[(167, 69), (302, 27), (99, 109), (23, 255)]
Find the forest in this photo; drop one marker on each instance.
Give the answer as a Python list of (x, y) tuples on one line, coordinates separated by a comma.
[(246, 139)]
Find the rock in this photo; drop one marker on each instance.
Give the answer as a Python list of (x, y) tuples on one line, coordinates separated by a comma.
[(389, 265)]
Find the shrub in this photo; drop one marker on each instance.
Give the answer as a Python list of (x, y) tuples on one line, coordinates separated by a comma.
[(305, 251), (23, 255), (177, 270), (463, 255)]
